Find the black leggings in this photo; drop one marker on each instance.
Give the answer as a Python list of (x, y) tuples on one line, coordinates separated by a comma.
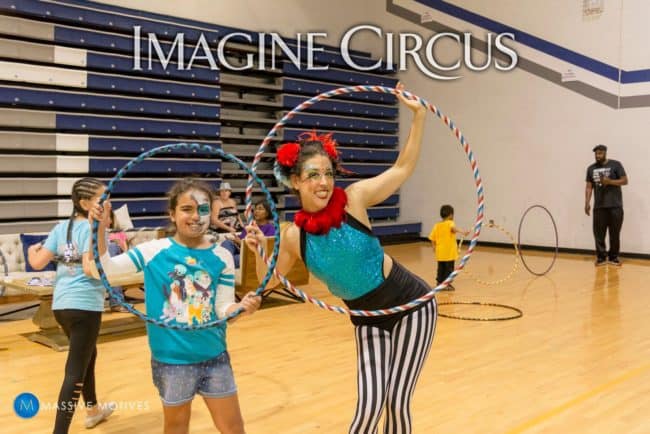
[(82, 328)]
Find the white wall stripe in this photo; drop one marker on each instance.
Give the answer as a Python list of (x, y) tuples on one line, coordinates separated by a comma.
[(26, 73), (70, 56), (531, 54), (72, 142)]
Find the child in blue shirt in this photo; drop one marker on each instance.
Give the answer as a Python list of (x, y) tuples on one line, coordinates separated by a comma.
[(188, 281), (77, 306)]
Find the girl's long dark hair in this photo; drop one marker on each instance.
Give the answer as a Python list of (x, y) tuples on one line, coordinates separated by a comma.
[(83, 189)]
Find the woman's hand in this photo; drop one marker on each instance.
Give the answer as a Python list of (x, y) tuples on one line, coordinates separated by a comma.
[(254, 236), (414, 105), (370, 191)]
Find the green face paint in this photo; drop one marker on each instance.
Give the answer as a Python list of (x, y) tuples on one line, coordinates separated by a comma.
[(204, 209)]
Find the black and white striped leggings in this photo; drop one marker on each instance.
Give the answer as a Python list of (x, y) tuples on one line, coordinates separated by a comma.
[(389, 364)]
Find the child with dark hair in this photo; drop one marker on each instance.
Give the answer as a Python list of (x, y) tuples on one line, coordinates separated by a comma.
[(263, 218), (188, 281), (78, 303), (443, 240)]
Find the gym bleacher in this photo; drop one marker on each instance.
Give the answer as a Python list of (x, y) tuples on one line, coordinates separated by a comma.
[(72, 105)]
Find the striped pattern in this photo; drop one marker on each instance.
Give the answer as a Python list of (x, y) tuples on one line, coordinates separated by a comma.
[(137, 258), (389, 364), (274, 132), (227, 279)]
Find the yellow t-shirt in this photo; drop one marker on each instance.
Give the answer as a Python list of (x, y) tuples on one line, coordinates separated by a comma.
[(445, 239)]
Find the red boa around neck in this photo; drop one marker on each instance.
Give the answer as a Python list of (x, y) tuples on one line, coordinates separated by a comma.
[(319, 223)]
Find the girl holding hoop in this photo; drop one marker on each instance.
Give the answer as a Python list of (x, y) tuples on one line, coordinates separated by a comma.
[(188, 281), (332, 235)]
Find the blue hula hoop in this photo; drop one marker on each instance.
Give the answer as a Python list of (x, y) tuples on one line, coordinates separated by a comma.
[(117, 296)]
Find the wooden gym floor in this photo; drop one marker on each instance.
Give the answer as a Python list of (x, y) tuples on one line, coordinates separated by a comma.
[(578, 361)]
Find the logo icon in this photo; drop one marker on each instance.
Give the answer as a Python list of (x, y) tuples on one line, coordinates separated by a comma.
[(26, 405)]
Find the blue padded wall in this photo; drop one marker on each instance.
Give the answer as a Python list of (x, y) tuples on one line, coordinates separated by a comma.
[(89, 112)]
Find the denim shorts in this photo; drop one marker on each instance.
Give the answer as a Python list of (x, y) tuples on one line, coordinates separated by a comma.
[(177, 384)]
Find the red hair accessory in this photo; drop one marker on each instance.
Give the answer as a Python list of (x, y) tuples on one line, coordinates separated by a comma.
[(288, 153), (329, 144)]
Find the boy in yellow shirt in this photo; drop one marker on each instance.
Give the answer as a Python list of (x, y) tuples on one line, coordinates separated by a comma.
[(443, 240)]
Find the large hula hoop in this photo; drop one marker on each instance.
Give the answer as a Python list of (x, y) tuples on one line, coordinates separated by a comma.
[(466, 148), (557, 241), (119, 297), (515, 264)]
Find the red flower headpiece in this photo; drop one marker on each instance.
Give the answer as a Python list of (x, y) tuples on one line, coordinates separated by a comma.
[(329, 144), (288, 153)]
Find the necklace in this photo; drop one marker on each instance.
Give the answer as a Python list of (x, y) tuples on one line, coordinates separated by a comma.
[(320, 222)]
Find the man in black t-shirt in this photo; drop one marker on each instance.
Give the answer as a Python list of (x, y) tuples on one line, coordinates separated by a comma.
[(605, 178)]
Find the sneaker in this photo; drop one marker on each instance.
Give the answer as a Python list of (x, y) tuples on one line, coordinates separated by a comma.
[(119, 308), (105, 410), (448, 288), (600, 262), (615, 262)]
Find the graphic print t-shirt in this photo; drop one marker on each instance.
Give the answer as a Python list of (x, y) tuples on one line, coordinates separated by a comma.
[(181, 285), (73, 289), (606, 196)]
